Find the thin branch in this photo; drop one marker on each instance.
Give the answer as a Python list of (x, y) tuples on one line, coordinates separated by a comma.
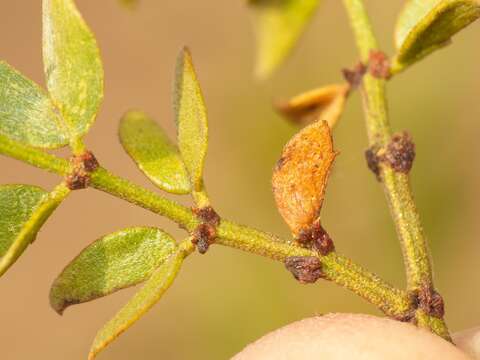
[(396, 184), (34, 157), (394, 302)]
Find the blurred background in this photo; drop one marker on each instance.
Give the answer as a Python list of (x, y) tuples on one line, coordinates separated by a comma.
[(226, 299)]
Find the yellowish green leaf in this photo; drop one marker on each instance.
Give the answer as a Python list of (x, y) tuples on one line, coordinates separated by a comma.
[(112, 263), (191, 119), (278, 26), (300, 177), (72, 64), (23, 211), (26, 113), (325, 103), (427, 25), (156, 156), (141, 302)]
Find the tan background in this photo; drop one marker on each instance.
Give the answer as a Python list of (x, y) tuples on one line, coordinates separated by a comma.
[(226, 299)]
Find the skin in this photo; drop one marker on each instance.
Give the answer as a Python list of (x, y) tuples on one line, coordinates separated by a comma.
[(469, 341), (351, 336)]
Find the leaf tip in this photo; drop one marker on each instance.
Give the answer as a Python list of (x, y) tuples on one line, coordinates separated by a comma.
[(56, 303), (185, 56), (131, 114)]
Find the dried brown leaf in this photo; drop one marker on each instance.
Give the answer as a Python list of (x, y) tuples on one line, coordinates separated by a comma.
[(326, 103), (301, 175)]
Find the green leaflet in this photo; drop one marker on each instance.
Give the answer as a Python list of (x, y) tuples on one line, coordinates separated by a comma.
[(278, 26), (141, 302), (112, 263), (23, 211), (26, 113), (191, 119), (155, 155), (427, 25), (72, 64), (17, 203)]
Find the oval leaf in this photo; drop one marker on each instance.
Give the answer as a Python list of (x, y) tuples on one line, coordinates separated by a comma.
[(112, 263), (427, 25), (23, 211), (72, 64), (26, 113), (301, 175), (141, 302), (326, 103), (191, 118), (278, 25), (155, 155)]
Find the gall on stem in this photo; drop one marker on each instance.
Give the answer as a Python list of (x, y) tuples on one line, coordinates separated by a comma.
[(299, 182)]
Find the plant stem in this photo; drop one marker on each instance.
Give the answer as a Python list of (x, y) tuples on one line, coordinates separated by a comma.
[(105, 181), (34, 157), (396, 185), (394, 302), (362, 28), (336, 268)]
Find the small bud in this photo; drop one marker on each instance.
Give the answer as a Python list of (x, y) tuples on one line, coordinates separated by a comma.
[(317, 239), (326, 103), (379, 65), (203, 236), (305, 269), (431, 302), (78, 180), (400, 153), (355, 76), (85, 161), (90, 163), (301, 175), (82, 166), (207, 215)]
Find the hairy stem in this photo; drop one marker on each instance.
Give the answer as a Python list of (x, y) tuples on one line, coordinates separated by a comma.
[(34, 157), (394, 302), (105, 181), (396, 184)]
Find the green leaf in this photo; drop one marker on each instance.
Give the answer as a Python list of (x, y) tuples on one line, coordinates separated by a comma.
[(141, 302), (26, 113), (17, 203), (72, 65), (112, 263), (191, 119), (23, 211), (278, 26), (155, 155), (427, 25)]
